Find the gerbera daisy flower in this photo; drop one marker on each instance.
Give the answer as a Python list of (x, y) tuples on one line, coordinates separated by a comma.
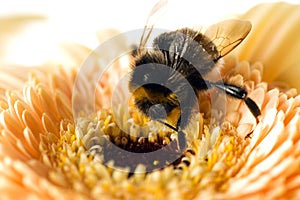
[(48, 150)]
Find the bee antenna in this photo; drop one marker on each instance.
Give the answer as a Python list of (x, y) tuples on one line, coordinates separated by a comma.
[(152, 17), (168, 125)]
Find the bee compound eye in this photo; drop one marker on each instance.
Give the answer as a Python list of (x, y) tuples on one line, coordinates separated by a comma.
[(157, 111)]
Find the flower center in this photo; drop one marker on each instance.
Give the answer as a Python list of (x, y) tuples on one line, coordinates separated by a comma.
[(153, 146), (94, 150)]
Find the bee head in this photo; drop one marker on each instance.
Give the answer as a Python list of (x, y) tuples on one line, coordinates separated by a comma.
[(155, 101), (149, 84)]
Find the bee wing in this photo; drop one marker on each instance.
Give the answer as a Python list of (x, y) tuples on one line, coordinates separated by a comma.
[(228, 34), (152, 18)]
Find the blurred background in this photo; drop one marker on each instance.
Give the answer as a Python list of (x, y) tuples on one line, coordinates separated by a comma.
[(31, 31)]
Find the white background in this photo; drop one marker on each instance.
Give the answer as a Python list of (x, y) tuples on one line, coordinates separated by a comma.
[(77, 21)]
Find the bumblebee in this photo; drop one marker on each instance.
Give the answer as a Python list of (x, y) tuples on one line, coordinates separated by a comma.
[(166, 78)]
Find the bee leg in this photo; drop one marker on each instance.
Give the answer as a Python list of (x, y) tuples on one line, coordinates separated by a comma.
[(239, 93), (181, 140), (253, 107), (180, 134), (181, 137), (249, 135), (166, 124)]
